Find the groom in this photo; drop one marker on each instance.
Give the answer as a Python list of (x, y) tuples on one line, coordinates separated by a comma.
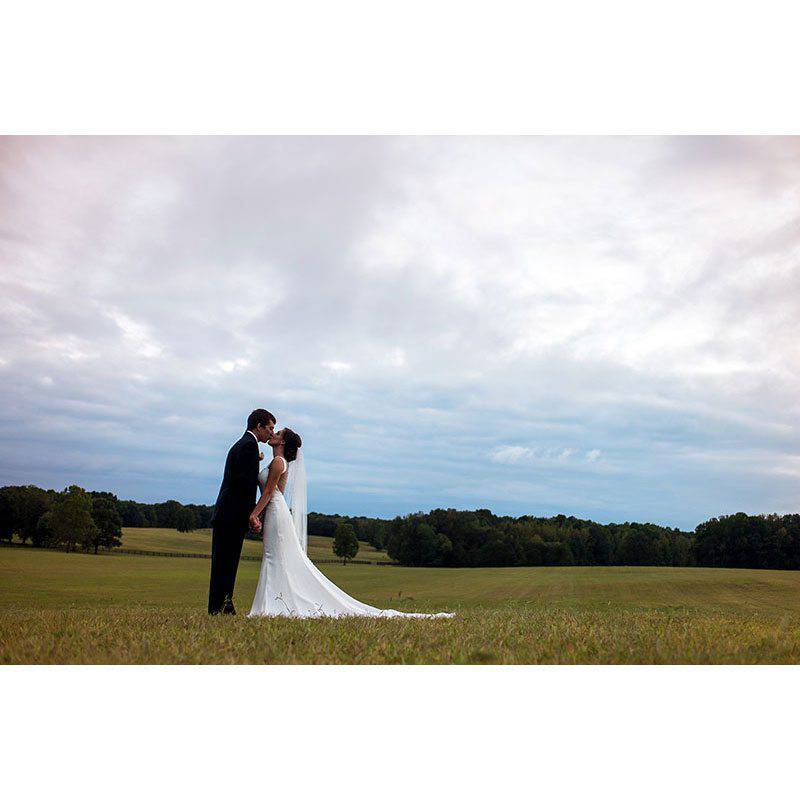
[(236, 499)]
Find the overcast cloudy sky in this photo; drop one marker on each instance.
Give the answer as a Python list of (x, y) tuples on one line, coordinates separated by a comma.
[(604, 327)]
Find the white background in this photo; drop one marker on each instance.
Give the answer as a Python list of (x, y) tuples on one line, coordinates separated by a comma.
[(411, 67), (619, 66), (493, 732)]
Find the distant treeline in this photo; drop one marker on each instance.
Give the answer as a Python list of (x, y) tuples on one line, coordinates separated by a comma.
[(440, 538), (450, 538), (169, 514), (23, 507), (172, 514), (73, 519), (767, 541)]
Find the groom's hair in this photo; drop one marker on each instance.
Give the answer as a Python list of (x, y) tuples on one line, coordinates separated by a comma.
[(259, 417)]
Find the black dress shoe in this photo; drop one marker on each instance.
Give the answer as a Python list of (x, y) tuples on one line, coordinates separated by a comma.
[(227, 606)]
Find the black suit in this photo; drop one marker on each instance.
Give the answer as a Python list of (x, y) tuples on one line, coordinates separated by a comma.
[(237, 497)]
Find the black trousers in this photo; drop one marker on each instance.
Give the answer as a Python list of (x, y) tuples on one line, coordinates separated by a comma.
[(226, 549)]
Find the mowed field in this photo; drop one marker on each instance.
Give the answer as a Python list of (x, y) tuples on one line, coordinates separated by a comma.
[(117, 609), (169, 540)]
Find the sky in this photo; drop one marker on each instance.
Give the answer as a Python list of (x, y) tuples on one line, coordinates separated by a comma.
[(603, 327)]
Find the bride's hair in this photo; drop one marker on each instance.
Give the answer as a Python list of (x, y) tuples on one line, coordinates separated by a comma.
[(291, 444)]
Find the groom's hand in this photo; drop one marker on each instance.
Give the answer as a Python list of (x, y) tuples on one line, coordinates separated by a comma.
[(255, 523)]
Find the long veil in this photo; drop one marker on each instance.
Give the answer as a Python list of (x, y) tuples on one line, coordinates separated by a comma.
[(298, 498)]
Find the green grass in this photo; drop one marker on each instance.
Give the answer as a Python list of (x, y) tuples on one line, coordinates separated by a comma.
[(75, 608), (169, 540)]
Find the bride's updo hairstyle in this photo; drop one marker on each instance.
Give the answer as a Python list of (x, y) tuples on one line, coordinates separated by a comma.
[(291, 444)]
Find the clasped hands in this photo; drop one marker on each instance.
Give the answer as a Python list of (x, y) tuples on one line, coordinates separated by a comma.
[(255, 523)]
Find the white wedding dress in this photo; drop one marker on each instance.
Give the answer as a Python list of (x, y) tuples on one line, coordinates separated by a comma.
[(289, 584)]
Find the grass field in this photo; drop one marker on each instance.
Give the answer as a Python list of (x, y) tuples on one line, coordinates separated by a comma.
[(169, 540), (74, 608)]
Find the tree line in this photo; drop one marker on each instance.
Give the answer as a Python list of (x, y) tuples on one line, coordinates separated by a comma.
[(169, 514), (767, 541), (76, 518), (79, 519), (73, 519), (450, 538), (366, 529)]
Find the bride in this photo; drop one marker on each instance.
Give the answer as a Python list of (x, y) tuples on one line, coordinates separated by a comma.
[(289, 584)]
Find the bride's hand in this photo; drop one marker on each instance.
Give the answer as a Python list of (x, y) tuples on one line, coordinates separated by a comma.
[(255, 523)]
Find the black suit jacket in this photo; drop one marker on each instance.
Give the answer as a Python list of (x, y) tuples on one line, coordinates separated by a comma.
[(237, 495)]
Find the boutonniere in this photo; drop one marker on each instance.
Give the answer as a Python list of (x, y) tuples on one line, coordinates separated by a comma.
[(260, 456)]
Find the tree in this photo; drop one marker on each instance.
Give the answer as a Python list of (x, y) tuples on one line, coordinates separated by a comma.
[(415, 543), (636, 549), (499, 550), (432, 547), (376, 533), (755, 542), (108, 523), (601, 550), (8, 512), (166, 513), (70, 522), (558, 554), (132, 514), (201, 515), (185, 520), (322, 524), (345, 543), (21, 507), (45, 534), (534, 549)]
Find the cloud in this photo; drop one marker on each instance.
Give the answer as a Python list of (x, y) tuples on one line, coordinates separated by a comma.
[(135, 335), (515, 454), (586, 314), (511, 454), (337, 366)]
